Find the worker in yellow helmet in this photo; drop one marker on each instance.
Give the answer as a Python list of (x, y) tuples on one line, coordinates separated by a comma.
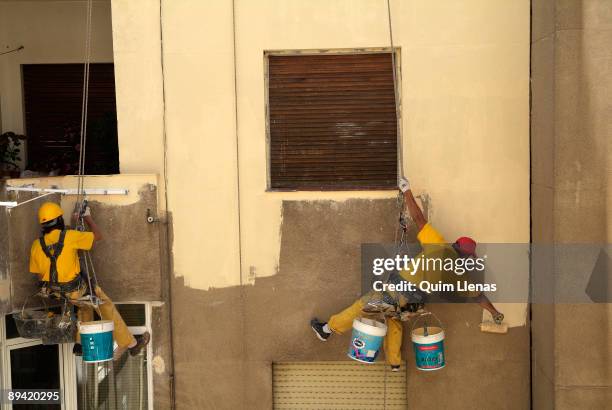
[(54, 259)]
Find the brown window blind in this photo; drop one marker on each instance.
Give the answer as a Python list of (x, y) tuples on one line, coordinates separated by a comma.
[(53, 95), (332, 122)]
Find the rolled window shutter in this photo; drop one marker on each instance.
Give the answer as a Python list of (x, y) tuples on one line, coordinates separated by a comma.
[(332, 122), (53, 95), (338, 386)]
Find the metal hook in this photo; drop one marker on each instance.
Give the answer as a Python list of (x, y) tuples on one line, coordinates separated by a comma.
[(150, 217)]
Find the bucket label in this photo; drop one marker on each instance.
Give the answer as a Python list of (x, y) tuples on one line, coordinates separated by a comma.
[(429, 356), (97, 347), (364, 347)]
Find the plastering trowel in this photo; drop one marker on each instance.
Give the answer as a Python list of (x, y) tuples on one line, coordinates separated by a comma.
[(497, 326)]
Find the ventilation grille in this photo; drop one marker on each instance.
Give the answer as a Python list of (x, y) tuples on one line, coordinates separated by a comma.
[(338, 385)]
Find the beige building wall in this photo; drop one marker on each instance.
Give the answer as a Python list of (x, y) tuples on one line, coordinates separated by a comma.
[(188, 99), (571, 191), (542, 182), (465, 121), (201, 133), (50, 32), (139, 88), (465, 96)]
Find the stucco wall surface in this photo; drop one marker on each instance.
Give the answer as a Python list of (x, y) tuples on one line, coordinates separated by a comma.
[(582, 189), (465, 117), (250, 327), (5, 282), (464, 87), (127, 262), (571, 190)]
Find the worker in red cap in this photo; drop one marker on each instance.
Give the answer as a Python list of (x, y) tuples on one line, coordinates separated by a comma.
[(434, 246)]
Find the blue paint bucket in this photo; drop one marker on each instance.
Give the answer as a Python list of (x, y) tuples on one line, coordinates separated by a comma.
[(366, 339), (97, 341), (428, 344)]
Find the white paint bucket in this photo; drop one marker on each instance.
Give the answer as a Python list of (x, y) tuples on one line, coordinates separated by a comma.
[(366, 340), (428, 344), (97, 340)]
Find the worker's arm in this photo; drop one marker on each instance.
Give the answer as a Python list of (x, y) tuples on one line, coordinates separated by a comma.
[(90, 223), (485, 303), (413, 208), (93, 227)]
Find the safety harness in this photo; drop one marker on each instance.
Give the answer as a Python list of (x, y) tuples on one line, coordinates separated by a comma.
[(53, 252)]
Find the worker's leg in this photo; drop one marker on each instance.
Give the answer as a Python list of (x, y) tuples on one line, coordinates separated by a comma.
[(393, 342), (84, 312), (121, 333), (343, 321)]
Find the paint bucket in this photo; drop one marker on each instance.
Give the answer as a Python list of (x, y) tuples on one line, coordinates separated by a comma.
[(428, 344), (97, 340), (366, 340)]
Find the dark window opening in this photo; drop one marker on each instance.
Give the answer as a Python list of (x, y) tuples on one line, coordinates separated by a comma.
[(133, 314), (332, 122), (35, 367), (10, 327), (53, 95)]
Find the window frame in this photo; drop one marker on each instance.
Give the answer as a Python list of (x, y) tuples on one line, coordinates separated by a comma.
[(68, 362), (339, 51), (64, 356)]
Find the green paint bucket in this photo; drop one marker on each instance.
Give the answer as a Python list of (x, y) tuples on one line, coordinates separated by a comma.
[(97, 341)]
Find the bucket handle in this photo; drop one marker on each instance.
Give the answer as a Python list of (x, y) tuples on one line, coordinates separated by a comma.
[(27, 298), (25, 302), (424, 315)]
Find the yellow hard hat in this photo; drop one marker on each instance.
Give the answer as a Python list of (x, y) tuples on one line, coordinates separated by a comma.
[(48, 212)]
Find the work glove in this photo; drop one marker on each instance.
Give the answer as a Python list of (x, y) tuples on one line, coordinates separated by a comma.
[(403, 184), (498, 318), (44, 292), (82, 209), (78, 213)]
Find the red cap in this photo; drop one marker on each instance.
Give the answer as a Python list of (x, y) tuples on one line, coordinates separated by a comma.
[(466, 245)]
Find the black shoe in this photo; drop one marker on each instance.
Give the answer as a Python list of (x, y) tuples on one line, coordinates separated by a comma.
[(318, 329), (141, 342), (77, 349), (413, 307)]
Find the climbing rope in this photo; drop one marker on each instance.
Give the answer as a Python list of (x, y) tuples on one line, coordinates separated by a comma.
[(85, 102), (81, 202), (379, 303), (400, 151), (401, 236)]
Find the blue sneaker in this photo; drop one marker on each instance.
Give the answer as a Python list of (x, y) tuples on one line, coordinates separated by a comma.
[(318, 329)]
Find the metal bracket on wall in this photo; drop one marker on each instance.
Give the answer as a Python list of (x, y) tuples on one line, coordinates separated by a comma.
[(86, 191), (151, 218)]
